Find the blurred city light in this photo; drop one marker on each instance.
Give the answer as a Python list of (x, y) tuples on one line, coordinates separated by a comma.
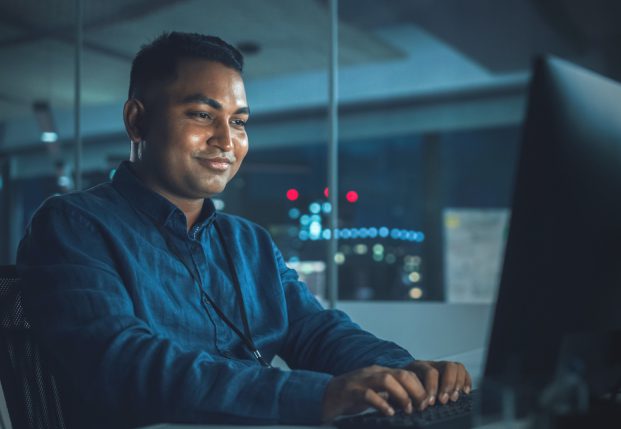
[(351, 196), (314, 208), (414, 277), (294, 213), (293, 194), (416, 293)]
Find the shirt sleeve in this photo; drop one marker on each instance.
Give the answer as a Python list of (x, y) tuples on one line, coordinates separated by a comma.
[(124, 374), (328, 340)]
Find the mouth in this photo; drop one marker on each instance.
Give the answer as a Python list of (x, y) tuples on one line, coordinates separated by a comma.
[(217, 164)]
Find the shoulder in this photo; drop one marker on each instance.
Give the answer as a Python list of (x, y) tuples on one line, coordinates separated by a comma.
[(66, 228), (82, 206)]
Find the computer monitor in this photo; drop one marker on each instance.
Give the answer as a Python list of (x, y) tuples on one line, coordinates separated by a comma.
[(561, 276)]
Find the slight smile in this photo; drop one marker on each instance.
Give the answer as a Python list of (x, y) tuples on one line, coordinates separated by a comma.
[(219, 164)]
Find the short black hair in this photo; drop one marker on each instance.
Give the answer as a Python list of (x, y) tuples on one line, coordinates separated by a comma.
[(157, 61)]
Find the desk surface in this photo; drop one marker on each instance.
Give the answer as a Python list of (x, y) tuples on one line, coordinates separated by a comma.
[(499, 425), (175, 426)]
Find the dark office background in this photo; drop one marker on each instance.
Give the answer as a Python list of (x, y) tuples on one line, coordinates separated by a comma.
[(432, 97)]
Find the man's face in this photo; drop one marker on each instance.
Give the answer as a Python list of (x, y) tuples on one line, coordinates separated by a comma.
[(194, 131)]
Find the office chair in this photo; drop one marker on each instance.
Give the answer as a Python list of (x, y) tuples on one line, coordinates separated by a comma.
[(29, 387)]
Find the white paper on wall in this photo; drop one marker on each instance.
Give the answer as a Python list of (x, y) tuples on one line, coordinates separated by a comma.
[(474, 243)]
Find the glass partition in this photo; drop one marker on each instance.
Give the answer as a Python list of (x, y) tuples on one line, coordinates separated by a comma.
[(36, 92), (430, 132)]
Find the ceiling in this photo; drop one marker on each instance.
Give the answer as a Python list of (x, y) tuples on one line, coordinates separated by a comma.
[(37, 38)]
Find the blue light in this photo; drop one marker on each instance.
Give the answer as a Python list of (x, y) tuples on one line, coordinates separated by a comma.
[(49, 137), (326, 207), (303, 235), (315, 218), (112, 173), (314, 208), (294, 213), (294, 259), (315, 230)]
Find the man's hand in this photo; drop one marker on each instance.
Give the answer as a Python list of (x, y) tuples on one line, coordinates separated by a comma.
[(418, 385), (442, 380)]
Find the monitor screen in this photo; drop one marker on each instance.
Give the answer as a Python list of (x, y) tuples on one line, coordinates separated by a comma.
[(561, 274)]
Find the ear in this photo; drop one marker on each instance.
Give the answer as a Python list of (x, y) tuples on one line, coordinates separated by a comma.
[(134, 118)]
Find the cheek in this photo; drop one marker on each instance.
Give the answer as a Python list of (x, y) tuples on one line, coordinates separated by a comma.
[(194, 138), (186, 136), (242, 148)]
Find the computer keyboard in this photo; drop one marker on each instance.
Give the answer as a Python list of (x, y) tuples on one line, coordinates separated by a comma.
[(453, 415)]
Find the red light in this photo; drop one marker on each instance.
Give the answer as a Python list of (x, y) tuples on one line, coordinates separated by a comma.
[(352, 196), (326, 192), (292, 194)]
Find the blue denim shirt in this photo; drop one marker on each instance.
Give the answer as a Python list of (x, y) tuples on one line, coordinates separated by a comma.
[(133, 339)]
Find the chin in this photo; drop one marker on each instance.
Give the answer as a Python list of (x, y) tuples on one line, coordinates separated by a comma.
[(207, 189), (212, 191)]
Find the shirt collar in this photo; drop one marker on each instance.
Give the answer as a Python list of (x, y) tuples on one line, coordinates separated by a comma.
[(154, 205)]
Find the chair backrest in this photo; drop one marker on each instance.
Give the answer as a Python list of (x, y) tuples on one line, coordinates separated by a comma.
[(29, 387)]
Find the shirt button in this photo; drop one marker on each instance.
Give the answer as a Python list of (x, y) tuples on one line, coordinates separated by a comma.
[(227, 354)]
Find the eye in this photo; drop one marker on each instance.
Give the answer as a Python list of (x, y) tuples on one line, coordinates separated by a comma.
[(200, 115), (239, 123)]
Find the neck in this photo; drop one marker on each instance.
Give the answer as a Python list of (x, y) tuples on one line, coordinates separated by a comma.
[(191, 207)]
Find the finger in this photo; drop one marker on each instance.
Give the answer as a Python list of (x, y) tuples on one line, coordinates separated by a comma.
[(387, 381), (372, 398), (448, 379), (468, 384), (429, 375), (431, 378), (459, 382), (413, 385)]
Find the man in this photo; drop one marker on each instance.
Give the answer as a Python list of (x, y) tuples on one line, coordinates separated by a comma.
[(153, 307)]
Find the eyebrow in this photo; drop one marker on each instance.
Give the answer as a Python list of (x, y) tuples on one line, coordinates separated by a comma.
[(202, 99)]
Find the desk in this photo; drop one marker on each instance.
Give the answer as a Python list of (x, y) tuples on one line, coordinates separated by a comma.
[(500, 425), (175, 426)]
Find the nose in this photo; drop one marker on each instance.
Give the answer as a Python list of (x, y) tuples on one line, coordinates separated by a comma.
[(221, 136)]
